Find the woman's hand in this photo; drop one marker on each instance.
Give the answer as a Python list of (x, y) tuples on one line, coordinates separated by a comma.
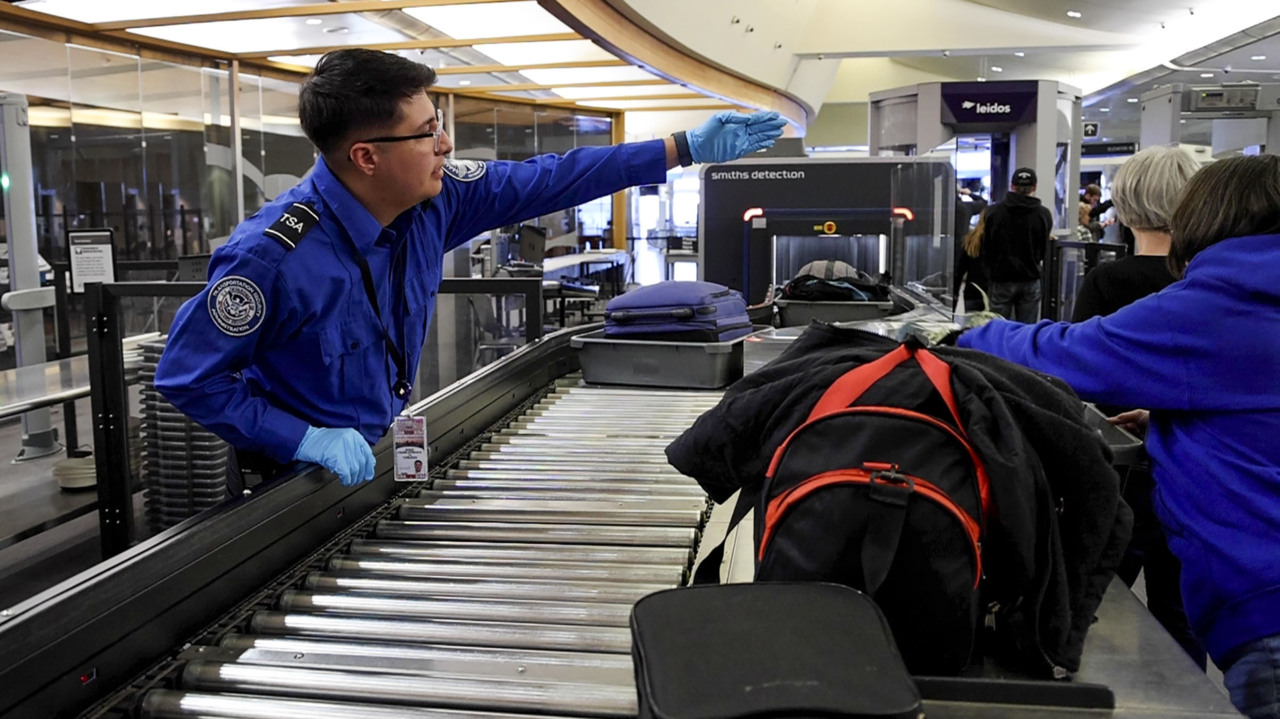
[(1134, 420)]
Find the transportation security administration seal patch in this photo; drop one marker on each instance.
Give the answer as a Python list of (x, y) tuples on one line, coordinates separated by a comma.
[(236, 305), (465, 170)]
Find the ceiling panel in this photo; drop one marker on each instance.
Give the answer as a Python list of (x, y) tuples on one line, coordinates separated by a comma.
[(109, 10), (481, 21), (536, 53), (573, 93), (575, 76), (277, 33), (645, 104)]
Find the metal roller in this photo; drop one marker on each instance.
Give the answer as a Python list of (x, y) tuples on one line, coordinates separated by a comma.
[(603, 446), (496, 610), (583, 498), (507, 453), (169, 704), (608, 513), (451, 692), (461, 633), (578, 667), (663, 426), (480, 551), (533, 465), (576, 453), (582, 493), (603, 439), (538, 533), (645, 474), (634, 487), (579, 571), (545, 588)]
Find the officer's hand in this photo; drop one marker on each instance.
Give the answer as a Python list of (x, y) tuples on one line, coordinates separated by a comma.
[(341, 451), (730, 135)]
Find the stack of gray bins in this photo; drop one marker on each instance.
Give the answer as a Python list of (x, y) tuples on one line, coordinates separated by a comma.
[(184, 466)]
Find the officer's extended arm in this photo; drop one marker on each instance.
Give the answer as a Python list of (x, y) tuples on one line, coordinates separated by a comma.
[(493, 194)]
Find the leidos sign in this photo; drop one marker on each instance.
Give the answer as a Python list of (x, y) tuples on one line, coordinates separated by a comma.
[(988, 108), (988, 103)]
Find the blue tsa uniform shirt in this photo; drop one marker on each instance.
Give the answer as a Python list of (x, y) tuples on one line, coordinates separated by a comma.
[(286, 335)]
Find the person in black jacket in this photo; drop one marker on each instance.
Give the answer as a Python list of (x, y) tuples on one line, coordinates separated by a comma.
[(1145, 192), (1013, 248)]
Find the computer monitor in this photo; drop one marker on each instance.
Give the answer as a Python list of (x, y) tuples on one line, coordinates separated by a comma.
[(533, 244)]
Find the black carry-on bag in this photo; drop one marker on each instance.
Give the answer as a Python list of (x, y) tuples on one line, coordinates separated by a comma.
[(767, 650)]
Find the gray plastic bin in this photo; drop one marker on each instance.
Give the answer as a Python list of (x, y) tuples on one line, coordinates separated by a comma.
[(1126, 448), (651, 363), (794, 313)]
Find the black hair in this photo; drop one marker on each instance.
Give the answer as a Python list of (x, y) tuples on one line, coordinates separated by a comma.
[(357, 90), (1238, 197)]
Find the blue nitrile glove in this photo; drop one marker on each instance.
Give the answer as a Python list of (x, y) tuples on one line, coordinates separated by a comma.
[(730, 135), (341, 451)]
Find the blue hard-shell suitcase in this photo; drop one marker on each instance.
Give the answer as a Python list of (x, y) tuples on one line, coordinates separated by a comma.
[(680, 311)]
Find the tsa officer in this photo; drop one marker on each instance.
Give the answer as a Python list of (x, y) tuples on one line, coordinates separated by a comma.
[(304, 342)]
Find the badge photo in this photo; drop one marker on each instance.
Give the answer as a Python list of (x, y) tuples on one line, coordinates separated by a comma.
[(236, 305)]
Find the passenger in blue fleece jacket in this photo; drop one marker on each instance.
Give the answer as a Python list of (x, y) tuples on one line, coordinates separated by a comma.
[(1203, 356)]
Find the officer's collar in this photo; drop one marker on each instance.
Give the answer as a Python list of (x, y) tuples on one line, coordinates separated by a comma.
[(359, 223)]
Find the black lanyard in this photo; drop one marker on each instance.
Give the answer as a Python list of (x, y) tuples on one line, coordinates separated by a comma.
[(401, 389)]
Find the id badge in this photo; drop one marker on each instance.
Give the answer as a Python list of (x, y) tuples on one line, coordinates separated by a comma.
[(411, 448)]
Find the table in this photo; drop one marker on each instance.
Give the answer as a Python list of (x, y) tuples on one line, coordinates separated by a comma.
[(610, 257), (27, 388), (671, 257), (1128, 651)]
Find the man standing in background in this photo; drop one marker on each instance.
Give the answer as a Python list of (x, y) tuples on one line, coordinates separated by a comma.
[(1013, 247)]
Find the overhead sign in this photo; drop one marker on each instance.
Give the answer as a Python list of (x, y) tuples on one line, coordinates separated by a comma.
[(1091, 130), (988, 103), (1102, 149), (92, 257)]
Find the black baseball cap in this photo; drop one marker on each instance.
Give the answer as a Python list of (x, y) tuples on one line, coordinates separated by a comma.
[(1024, 177)]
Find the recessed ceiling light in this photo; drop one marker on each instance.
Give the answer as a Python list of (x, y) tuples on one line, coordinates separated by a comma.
[(1019, 54), (314, 21), (1182, 122), (339, 30), (1073, 13), (997, 68), (1258, 57), (1206, 74), (982, 79), (464, 82), (1131, 99), (1104, 109)]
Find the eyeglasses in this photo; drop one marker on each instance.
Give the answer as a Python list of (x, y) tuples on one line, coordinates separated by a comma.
[(436, 133)]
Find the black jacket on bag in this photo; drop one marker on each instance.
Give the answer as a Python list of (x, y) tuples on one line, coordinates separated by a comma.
[(1016, 236), (1059, 527)]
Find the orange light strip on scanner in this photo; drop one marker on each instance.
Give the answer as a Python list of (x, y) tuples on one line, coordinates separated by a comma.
[(904, 212), (753, 212)]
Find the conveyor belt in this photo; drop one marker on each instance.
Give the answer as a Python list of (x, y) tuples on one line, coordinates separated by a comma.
[(503, 590)]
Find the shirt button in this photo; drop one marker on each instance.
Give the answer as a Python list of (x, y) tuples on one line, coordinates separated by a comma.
[(355, 345)]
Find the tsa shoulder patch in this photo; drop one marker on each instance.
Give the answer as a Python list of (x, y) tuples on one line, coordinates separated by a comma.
[(236, 305), (296, 221), (465, 170)]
